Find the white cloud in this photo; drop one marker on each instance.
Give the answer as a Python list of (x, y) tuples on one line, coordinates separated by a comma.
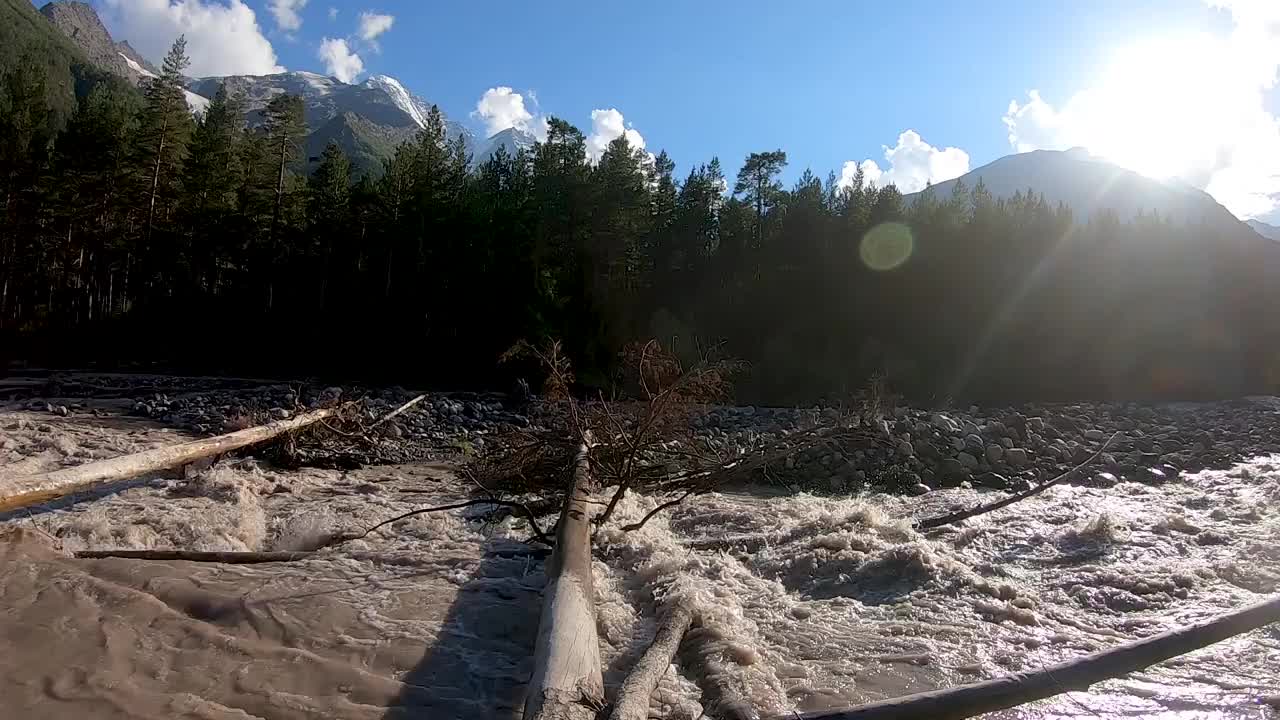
[(339, 60), (912, 164), (333, 14), (501, 108), (1191, 106), (607, 126), (374, 24), (223, 38), (286, 13)]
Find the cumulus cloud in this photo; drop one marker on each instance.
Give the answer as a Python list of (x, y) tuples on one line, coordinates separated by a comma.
[(223, 38), (912, 164), (374, 24), (1192, 107), (607, 126), (333, 14), (501, 108), (286, 13), (339, 60)]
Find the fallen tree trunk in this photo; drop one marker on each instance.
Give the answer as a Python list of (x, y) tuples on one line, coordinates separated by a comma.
[(632, 702), (227, 557), (969, 700), (567, 682), (17, 492)]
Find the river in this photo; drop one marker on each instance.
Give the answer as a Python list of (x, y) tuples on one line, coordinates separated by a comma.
[(806, 602)]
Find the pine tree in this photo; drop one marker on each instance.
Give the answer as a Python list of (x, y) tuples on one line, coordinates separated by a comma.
[(758, 184), (284, 129), (165, 131)]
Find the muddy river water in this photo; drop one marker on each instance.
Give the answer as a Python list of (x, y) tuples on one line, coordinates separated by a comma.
[(807, 602)]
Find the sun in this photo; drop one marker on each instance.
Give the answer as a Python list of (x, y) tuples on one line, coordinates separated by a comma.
[(1161, 105)]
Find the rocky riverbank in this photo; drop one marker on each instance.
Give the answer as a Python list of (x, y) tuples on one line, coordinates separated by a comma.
[(1003, 448)]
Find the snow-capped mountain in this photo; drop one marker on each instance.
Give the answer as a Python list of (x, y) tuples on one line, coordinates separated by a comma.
[(512, 140), (368, 120), (1088, 185)]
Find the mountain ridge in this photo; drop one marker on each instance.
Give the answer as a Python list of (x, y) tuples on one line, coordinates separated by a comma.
[(81, 24), (367, 119), (1089, 185)]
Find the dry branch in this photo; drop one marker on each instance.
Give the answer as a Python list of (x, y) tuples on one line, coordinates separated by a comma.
[(632, 702), (567, 683), (16, 492), (655, 511), (397, 411), (956, 517), (969, 700)]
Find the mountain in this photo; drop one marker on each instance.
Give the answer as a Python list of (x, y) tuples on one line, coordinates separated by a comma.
[(368, 120), (1270, 232), (511, 140), (31, 46), (81, 24), (1088, 185)]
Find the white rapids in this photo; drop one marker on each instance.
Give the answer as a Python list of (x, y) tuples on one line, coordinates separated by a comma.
[(805, 602)]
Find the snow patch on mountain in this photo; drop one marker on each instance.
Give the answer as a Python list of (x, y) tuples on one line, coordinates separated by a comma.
[(321, 84), (411, 105), (134, 66), (197, 103)]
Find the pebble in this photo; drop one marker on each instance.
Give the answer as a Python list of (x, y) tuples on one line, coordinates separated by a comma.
[(967, 460), (1016, 456), (995, 454)]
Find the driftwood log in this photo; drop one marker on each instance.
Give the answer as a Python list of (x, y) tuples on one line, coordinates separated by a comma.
[(232, 557), (967, 701), (17, 492), (632, 702), (567, 682)]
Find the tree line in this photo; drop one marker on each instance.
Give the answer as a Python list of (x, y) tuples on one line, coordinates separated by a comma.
[(135, 231)]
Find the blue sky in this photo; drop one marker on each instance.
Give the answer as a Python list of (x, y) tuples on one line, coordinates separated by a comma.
[(828, 82)]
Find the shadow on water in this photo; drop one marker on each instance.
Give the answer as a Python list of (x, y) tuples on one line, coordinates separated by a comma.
[(481, 659)]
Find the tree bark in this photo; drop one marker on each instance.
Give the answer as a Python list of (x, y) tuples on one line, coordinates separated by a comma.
[(975, 699), (632, 702), (567, 683), (16, 492)]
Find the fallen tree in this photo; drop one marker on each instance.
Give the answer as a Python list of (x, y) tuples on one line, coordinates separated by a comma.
[(967, 701), (632, 701), (18, 492), (567, 682)]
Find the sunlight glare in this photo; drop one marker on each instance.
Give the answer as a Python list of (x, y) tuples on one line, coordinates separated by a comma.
[(1163, 106)]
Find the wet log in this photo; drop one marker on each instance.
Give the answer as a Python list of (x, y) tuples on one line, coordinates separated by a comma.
[(233, 557), (17, 492), (567, 682), (967, 701), (632, 702)]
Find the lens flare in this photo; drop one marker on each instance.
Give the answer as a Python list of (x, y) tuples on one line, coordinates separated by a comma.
[(886, 246)]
